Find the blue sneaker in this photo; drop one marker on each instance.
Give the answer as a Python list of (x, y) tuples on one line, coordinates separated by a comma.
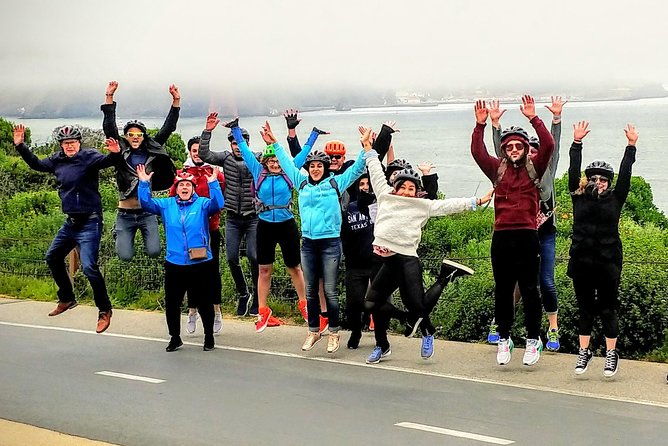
[(427, 347), (493, 335), (377, 354), (553, 340)]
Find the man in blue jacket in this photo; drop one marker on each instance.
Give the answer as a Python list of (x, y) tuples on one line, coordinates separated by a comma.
[(77, 172)]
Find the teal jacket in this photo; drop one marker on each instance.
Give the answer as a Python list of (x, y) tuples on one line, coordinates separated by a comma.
[(319, 206)]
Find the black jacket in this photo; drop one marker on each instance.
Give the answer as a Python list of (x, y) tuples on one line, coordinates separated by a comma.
[(596, 244), (238, 191), (158, 160), (77, 176)]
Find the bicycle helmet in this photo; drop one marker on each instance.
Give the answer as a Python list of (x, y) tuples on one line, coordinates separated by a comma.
[(134, 123), (335, 147), (407, 174), (68, 132), (600, 168)]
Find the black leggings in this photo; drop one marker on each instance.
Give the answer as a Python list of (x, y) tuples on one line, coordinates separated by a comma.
[(515, 260), (597, 295), (405, 273), (357, 283), (195, 280)]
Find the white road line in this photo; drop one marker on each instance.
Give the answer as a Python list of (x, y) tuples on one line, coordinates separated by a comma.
[(453, 433), (145, 379), (361, 364)]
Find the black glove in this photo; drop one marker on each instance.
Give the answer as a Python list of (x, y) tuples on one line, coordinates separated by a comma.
[(318, 131), (233, 123), (292, 120)]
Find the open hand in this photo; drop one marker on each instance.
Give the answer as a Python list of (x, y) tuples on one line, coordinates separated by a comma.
[(112, 145), (631, 134), (557, 105), (425, 167), (141, 173), (495, 112), (211, 121), (214, 174), (365, 139), (392, 125), (481, 112), (528, 107), (267, 134), (291, 118), (580, 130), (19, 134)]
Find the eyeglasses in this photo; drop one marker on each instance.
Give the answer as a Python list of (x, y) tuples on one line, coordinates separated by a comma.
[(134, 134), (271, 161), (595, 178), (336, 157)]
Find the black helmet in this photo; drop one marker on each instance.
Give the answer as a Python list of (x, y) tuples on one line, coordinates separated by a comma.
[(318, 155), (191, 141), (407, 175), (244, 133), (514, 131), (134, 123), (396, 164), (68, 132), (534, 142), (600, 168)]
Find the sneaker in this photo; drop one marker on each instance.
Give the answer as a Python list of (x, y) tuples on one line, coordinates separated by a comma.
[(372, 327), (274, 322), (493, 335), (253, 309), (377, 354), (174, 344), (103, 321), (354, 340), (209, 343), (584, 358), (324, 324), (552, 340), (191, 325), (242, 306), (452, 270), (311, 339), (63, 307), (262, 319), (412, 324), (504, 351), (217, 322), (302, 309), (532, 351), (427, 347), (333, 342), (611, 363)]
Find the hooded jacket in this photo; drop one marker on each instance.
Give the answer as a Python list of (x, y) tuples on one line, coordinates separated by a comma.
[(158, 160), (186, 222), (77, 176)]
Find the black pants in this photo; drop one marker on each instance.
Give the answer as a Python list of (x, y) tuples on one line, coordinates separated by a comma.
[(405, 273), (192, 279), (597, 295), (357, 283), (515, 259)]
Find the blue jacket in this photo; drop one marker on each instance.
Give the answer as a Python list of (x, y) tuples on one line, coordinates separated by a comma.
[(274, 190), (77, 176), (319, 206), (186, 222)]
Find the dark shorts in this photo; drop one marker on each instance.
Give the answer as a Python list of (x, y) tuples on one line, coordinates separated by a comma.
[(286, 235)]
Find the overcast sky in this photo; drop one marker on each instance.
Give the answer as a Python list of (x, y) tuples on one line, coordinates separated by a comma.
[(244, 44)]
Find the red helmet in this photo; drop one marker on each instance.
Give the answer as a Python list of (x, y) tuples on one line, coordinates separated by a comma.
[(335, 147), (184, 176)]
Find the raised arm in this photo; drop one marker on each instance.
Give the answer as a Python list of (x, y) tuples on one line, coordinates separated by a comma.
[(248, 156), (580, 130), (555, 130), (384, 139), (205, 153), (292, 120), (101, 161), (429, 179), (109, 112), (623, 184), (487, 163), (40, 165), (147, 202), (169, 126), (216, 200), (546, 143), (300, 158), (376, 173), (495, 113)]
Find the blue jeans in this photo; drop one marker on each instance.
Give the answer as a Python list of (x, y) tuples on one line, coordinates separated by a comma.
[(236, 227), (321, 258), (548, 290), (86, 235), (125, 229)]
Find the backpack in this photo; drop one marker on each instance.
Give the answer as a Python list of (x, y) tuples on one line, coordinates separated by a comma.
[(259, 205)]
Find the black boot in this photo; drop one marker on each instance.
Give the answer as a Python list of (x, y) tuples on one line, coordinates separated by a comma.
[(174, 344)]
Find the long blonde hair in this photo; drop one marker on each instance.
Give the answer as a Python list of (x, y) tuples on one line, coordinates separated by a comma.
[(581, 187)]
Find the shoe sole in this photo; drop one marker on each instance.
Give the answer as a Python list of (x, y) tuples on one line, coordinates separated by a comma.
[(529, 364), (580, 372), (611, 375), (415, 327), (74, 305), (373, 362), (428, 357), (262, 327), (175, 349), (312, 345), (459, 266), (335, 350)]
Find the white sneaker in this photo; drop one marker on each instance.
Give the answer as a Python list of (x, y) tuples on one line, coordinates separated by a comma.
[(532, 352), (504, 351), (192, 323), (217, 322), (333, 342), (311, 339)]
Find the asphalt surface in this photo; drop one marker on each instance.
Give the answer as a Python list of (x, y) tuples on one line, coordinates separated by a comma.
[(241, 394)]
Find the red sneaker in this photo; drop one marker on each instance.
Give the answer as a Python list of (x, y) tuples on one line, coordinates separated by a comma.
[(263, 316), (302, 309), (274, 322), (324, 324)]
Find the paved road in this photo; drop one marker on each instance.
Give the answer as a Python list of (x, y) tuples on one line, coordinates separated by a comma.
[(243, 398)]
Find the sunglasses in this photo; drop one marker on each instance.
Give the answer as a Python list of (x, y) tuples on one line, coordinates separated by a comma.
[(513, 145), (336, 157), (595, 178), (134, 134)]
